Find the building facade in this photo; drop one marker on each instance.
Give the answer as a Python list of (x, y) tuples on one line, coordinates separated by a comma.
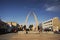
[(12, 23), (53, 23)]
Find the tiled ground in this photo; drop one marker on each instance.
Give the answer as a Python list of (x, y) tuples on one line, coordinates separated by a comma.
[(30, 36)]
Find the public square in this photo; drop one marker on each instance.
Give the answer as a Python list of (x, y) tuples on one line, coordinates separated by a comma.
[(29, 19), (30, 36)]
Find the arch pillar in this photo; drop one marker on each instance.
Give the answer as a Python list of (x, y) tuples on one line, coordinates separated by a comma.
[(35, 17)]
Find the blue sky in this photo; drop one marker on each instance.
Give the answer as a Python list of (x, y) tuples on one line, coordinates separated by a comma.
[(17, 10)]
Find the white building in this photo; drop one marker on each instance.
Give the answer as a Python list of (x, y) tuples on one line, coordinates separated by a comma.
[(52, 23)]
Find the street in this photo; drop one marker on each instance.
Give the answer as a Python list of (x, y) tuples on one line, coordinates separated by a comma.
[(30, 36)]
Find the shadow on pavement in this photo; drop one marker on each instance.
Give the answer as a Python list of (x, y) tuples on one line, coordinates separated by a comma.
[(3, 33), (56, 32)]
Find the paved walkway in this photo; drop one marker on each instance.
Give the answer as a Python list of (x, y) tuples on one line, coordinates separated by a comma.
[(30, 36)]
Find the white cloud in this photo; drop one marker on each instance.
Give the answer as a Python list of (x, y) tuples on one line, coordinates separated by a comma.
[(52, 5), (53, 8)]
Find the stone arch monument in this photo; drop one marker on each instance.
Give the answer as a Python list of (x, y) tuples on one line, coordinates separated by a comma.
[(35, 18)]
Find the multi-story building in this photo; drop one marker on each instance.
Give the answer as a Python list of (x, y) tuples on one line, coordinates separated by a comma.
[(52, 23), (13, 26), (12, 23)]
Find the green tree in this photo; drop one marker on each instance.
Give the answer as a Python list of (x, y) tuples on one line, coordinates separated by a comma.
[(31, 27)]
